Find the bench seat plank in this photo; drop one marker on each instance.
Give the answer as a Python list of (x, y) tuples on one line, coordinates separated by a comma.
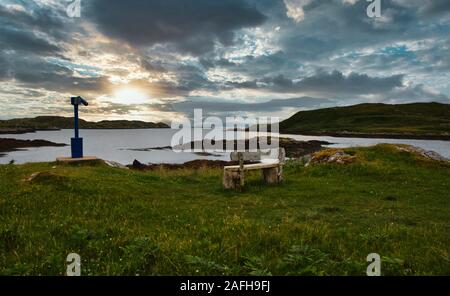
[(253, 166)]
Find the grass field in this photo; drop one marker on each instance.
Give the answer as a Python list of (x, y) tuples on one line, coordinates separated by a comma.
[(323, 220)]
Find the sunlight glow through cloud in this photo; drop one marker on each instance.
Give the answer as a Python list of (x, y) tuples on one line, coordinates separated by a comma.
[(128, 95)]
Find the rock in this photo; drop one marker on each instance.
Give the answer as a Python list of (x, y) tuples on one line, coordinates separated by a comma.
[(293, 148), (137, 165), (115, 164), (194, 164), (31, 177), (44, 177), (331, 156), (422, 152)]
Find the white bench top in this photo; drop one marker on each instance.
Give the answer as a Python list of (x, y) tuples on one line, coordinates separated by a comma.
[(254, 166)]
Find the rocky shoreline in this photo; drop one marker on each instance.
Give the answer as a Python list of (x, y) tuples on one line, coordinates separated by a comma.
[(405, 136), (293, 148), (18, 131), (8, 145)]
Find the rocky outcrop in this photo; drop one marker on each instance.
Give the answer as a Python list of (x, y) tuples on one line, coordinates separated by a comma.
[(194, 164), (330, 156), (293, 148), (7, 145), (422, 152), (115, 164)]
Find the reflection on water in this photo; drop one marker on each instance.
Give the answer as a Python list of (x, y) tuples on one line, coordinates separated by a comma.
[(114, 145)]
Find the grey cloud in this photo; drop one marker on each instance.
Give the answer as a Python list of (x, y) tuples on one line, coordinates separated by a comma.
[(427, 7), (416, 93), (192, 25), (330, 27), (29, 30), (35, 71), (24, 92), (11, 38), (354, 83), (276, 63), (112, 108), (214, 105), (436, 7), (328, 83), (152, 66)]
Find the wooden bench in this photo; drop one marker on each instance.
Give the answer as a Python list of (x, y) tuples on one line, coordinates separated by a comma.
[(272, 168)]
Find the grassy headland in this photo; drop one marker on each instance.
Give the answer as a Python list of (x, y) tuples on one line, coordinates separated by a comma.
[(418, 120), (323, 220), (22, 125)]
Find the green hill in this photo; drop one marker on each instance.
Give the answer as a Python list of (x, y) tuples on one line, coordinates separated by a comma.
[(418, 120), (58, 122)]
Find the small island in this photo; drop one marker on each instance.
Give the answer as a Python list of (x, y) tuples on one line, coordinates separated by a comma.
[(8, 145)]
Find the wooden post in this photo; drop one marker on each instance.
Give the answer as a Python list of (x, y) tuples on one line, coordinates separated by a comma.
[(270, 175), (241, 169), (230, 179), (281, 159)]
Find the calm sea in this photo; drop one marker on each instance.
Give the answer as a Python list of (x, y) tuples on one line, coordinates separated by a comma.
[(115, 145)]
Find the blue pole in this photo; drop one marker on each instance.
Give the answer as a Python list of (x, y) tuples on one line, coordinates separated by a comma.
[(76, 121)]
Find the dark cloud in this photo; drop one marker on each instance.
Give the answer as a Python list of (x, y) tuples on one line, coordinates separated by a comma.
[(192, 25), (11, 38), (354, 83), (152, 66), (191, 78), (3, 67), (18, 30), (35, 71), (37, 17), (328, 83), (435, 7), (330, 27)]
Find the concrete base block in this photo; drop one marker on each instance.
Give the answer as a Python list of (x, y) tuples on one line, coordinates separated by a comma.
[(76, 160)]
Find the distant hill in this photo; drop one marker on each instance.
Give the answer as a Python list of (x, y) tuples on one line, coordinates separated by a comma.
[(418, 120), (58, 122)]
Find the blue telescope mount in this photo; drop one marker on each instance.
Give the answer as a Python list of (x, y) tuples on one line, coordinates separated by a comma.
[(77, 142)]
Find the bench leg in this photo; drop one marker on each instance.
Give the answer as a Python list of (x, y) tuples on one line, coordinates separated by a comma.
[(272, 175), (280, 173), (231, 180)]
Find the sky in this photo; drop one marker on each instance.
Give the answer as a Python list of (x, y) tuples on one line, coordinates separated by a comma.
[(158, 60)]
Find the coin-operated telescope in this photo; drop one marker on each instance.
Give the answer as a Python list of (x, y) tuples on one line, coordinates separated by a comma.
[(77, 142)]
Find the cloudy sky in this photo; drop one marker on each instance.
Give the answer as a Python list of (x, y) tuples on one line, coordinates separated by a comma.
[(157, 60)]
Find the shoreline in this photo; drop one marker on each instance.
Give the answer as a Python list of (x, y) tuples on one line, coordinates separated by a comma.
[(371, 135)]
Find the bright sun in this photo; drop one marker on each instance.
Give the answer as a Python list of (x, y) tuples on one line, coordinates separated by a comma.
[(129, 96)]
